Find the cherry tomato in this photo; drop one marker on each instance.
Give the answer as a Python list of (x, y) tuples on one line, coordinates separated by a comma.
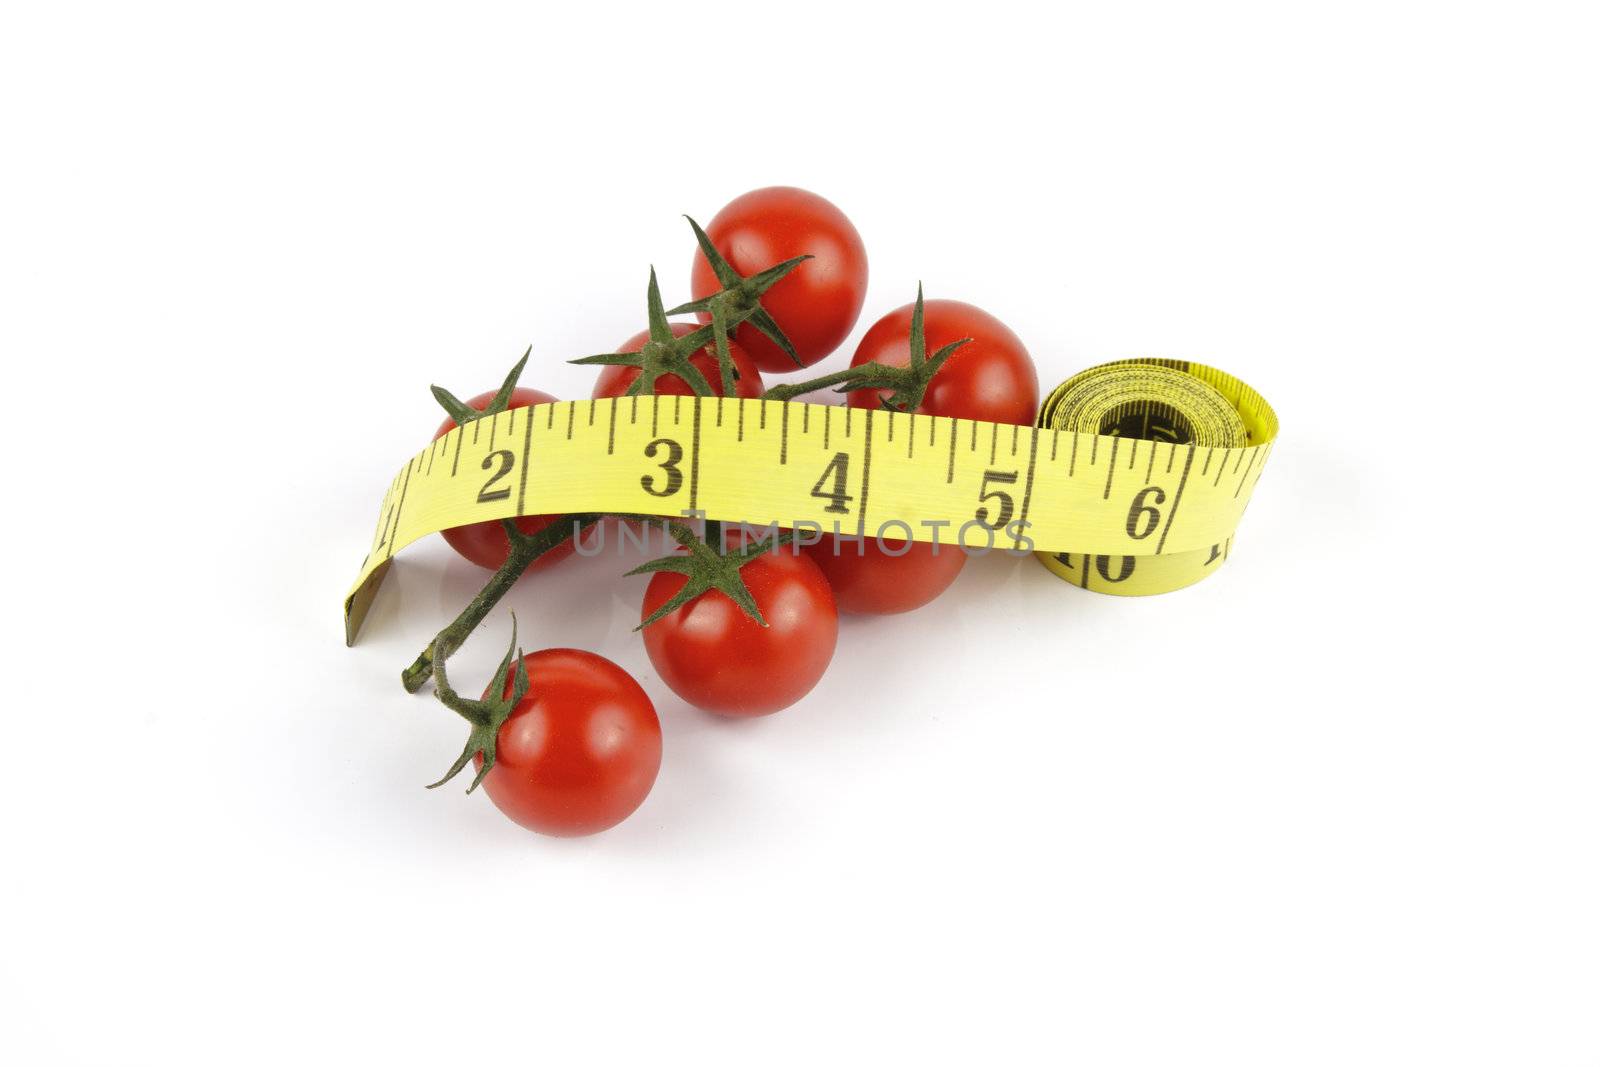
[(614, 381), (714, 656), (991, 378), (581, 748), (872, 579), (486, 543), (816, 304)]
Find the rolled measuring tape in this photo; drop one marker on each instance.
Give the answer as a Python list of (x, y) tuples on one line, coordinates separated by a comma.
[(1132, 482), (1200, 414)]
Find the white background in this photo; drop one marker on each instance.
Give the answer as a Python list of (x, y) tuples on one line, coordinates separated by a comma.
[(1338, 804)]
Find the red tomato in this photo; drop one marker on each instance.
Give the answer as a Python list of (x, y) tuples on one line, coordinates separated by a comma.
[(614, 381), (486, 543), (581, 748), (867, 580), (816, 304), (991, 378), (714, 656)]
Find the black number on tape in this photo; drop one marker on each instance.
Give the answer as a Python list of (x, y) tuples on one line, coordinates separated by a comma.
[(838, 469), (1124, 572), (1143, 517), (507, 459), (670, 465), (1008, 506)]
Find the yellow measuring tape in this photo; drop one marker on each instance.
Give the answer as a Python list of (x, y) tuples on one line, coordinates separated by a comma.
[(1132, 482)]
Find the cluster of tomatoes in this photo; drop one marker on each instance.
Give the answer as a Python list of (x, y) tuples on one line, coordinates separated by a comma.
[(577, 743)]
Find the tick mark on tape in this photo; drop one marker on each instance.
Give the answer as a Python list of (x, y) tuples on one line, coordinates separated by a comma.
[(1246, 475)]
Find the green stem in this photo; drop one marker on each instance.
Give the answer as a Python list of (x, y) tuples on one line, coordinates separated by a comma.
[(448, 697), (789, 391), (525, 551), (719, 335), (906, 385)]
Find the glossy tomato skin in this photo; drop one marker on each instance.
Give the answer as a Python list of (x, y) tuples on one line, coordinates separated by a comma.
[(872, 579), (614, 381), (581, 748), (817, 304), (486, 543), (714, 656), (992, 378)]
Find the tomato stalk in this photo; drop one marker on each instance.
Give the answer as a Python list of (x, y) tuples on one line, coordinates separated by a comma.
[(708, 568), (665, 354), (486, 716), (525, 551), (739, 301), (464, 413), (907, 385)]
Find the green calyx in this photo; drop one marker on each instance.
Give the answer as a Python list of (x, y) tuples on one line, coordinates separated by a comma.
[(739, 299), (485, 717), (463, 413), (665, 354), (708, 568), (906, 385)]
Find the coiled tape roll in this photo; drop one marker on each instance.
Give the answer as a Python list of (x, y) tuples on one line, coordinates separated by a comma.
[(1200, 413)]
